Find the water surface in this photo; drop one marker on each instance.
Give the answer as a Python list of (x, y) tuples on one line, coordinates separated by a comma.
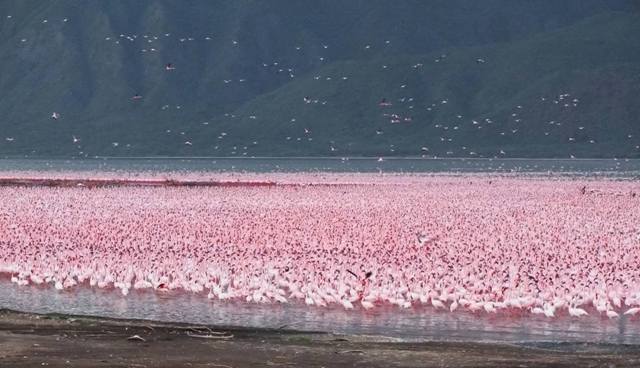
[(415, 324), (615, 167)]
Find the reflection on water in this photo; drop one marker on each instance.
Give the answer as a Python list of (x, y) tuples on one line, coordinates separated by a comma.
[(623, 167), (409, 324)]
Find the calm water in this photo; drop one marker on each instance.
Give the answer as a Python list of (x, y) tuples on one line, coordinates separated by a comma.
[(413, 324), (417, 324), (623, 167)]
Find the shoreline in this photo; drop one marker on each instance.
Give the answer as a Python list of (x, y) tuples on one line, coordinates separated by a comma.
[(95, 183), (338, 158), (62, 340)]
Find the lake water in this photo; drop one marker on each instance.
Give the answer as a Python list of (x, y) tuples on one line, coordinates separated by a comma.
[(416, 324), (622, 167), (412, 324)]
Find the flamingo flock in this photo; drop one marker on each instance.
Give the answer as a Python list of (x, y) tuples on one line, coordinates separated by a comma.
[(476, 243)]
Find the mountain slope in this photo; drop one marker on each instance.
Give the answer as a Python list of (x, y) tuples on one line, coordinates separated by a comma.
[(256, 60), (585, 79)]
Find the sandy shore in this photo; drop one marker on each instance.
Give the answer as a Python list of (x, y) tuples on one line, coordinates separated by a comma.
[(29, 340)]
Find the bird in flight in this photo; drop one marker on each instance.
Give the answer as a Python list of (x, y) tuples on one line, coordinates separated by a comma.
[(384, 103)]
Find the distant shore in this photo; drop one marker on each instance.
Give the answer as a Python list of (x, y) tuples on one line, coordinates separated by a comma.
[(92, 183), (59, 340)]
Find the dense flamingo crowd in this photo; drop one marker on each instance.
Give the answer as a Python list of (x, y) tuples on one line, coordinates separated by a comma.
[(471, 242)]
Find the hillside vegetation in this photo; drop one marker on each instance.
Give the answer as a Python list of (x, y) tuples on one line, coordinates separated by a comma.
[(279, 78)]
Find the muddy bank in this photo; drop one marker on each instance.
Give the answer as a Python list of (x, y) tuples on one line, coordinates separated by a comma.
[(28, 340)]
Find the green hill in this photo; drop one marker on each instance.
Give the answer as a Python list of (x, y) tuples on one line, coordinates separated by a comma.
[(245, 68), (594, 62)]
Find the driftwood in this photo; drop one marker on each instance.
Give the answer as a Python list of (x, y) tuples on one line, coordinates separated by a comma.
[(214, 337), (350, 352), (136, 338)]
